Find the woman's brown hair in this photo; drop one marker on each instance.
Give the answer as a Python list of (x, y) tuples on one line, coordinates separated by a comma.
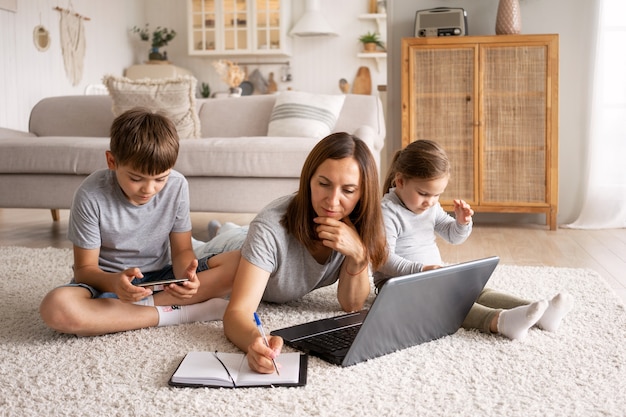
[(367, 214)]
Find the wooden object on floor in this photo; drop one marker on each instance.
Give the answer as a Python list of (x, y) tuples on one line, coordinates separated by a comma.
[(492, 103), (55, 215), (362, 82)]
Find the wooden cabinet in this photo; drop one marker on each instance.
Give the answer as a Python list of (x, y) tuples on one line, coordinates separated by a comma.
[(492, 103), (238, 27)]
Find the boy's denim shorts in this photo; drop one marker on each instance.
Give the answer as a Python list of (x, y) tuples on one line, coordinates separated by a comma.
[(165, 273)]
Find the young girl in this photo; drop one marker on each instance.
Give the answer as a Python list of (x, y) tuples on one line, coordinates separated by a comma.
[(412, 215)]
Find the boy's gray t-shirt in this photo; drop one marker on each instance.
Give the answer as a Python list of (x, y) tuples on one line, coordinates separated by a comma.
[(128, 236), (293, 271)]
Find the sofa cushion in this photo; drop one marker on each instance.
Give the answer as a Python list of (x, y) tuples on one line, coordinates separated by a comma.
[(298, 113), (84, 116), (231, 117), (257, 156), (174, 97), (53, 155)]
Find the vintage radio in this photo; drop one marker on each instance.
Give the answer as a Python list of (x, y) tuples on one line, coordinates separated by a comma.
[(440, 21)]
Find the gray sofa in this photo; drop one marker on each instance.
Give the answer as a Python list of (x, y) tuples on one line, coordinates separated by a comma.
[(234, 167)]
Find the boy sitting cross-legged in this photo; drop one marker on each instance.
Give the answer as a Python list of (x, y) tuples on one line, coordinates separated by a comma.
[(130, 224)]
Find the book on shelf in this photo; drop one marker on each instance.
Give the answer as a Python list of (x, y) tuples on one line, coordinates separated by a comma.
[(231, 370)]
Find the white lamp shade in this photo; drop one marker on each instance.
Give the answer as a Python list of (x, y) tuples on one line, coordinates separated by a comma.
[(312, 22)]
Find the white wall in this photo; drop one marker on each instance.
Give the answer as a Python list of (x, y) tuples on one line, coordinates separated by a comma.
[(27, 75), (574, 22)]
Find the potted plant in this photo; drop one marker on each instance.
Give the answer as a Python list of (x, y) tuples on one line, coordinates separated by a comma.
[(232, 74), (160, 38), (370, 41), (205, 90)]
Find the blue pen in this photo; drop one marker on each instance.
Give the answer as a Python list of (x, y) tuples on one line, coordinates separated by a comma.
[(257, 320)]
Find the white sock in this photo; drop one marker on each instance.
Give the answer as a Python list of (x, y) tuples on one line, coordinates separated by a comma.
[(208, 310), (148, 301), (514, 323), (558, 307)]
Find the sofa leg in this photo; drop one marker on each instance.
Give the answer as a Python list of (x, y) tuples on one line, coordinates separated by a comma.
[(55, 215)]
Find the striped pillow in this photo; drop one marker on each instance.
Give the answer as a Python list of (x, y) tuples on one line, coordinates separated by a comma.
[(298, 114)]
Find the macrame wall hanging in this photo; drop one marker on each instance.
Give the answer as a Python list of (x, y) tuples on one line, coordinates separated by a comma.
[(72, 42)]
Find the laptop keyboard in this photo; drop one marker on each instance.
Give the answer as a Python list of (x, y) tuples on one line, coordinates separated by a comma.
[(335, 340)]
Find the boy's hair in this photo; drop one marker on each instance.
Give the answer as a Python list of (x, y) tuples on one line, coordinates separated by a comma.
[(423, 159), (367, 214), (144, 140)]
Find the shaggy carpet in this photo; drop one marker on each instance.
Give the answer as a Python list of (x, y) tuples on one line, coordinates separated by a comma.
[(578, 371)]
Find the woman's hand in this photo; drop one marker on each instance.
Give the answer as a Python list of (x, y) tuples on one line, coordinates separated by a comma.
[(354, 285), (340, 236), (261, 357)]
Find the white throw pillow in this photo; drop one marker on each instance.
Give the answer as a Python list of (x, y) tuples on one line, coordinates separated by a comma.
[(304, 114), (173, 97)]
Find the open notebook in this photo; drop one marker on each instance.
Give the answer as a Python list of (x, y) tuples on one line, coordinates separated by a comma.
[(231, 370)]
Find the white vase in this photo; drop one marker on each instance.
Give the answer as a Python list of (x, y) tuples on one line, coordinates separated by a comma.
[(234, 92), (509, 18)]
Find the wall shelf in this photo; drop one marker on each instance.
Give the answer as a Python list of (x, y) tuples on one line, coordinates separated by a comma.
[(381, 20), (380, 57), (381, 24)]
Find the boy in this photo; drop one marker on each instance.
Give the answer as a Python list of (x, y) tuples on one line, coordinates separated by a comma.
[(130, 224)]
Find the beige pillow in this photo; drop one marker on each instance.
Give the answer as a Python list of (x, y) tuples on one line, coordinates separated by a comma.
[(174, 97), (299, 114)]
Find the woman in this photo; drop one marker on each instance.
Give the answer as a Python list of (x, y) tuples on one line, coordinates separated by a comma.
[(329, 231)]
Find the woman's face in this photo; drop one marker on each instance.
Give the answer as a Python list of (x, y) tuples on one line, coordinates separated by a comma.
[(336, 188)]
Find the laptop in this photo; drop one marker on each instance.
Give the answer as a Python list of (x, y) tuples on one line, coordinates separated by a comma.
[(408, 310)]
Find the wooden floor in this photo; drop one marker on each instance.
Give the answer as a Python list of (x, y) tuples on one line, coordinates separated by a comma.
[(601, 250)]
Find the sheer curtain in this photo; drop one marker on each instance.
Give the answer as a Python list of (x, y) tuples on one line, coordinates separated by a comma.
[(605, 198)]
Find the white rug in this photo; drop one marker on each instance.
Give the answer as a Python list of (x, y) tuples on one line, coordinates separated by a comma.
[(578, 371)]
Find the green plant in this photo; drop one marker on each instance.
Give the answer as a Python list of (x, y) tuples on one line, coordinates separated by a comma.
[(205, 90), (160, 36), (372, 37)]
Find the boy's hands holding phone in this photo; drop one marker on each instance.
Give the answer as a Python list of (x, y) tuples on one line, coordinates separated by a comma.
[(184, 287), (187, 288), (128, 292)]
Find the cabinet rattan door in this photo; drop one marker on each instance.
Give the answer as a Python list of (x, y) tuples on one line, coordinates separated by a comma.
[(442, 107), (513, 124)]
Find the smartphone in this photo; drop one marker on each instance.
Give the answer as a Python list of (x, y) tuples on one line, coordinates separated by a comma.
[(158, 285)]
